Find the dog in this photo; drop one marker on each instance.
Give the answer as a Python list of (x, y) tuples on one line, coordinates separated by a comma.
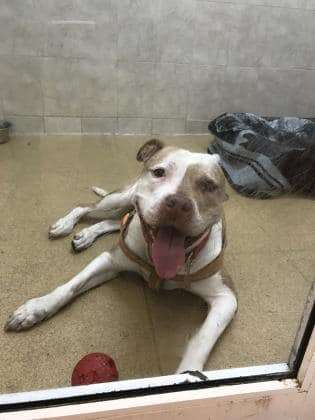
[(173, 235)]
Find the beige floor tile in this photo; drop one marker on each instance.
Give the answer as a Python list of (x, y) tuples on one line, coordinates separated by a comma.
[(245, 233), (286, 221), (304, 262), (271, 296)]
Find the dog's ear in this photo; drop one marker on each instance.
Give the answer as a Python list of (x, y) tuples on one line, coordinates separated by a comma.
[(149, 149)]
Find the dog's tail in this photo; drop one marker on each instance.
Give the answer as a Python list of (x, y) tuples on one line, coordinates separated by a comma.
[(99, 191)]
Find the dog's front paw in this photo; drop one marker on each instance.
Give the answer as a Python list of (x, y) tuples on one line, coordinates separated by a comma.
[(196, 375), (83, 240), (188, 366), (62, 227), (32, 312)]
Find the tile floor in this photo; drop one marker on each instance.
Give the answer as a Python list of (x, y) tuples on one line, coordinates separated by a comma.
[(269, 256)]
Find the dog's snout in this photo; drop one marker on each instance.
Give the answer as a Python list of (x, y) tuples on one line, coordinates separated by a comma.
[(170, 201), (187, 206), (179, 203)]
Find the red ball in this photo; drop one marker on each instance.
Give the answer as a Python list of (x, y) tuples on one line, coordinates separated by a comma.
[(94, 368)]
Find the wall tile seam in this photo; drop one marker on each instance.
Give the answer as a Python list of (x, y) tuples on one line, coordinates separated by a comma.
[(118, 134), (59, 21), (40, 118), (197, 65), (65, 132), (189, 87), (251, 5), (99, 118), (43, 125), (154, 116), (99, 20), (2, 113), (64, 116), (116, 63), (113, 132), (169, 118), (223, 66), (190, 64)]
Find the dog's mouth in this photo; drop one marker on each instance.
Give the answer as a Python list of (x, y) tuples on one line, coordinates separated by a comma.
[(168, 246), (168, 251)]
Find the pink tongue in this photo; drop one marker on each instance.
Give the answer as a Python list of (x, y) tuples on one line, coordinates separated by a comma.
[(168, 252)]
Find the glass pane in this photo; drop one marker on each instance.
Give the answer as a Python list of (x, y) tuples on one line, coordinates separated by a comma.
[(75, 80)]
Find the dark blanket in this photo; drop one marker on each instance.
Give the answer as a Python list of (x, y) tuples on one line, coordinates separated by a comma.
[(266, 157)]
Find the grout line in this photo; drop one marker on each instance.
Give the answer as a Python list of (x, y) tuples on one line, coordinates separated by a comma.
[(2, 113), (189, 86), (116, 126), (256, 5), (115, 131), (62, 116), (115, 134), (183, 117), (41, 83), (154, 86), (186, 125), (44, 125), (190, 64), (117, 63)]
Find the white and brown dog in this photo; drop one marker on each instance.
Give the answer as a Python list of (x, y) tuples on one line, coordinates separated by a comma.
[(173, 237)]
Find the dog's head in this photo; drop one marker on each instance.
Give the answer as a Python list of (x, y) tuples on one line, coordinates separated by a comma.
[(179, 194)]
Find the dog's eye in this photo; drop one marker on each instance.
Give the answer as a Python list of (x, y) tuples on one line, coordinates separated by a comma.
[(158, 172), (207, 185)]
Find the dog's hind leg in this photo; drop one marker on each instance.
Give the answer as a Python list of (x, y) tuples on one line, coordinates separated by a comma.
[(111, 206), (87, 236)]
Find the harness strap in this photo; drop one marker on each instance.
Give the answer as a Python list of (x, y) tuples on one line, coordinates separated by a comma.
[(154, 280)]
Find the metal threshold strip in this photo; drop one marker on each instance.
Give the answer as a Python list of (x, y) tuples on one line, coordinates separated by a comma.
[(143, 386)]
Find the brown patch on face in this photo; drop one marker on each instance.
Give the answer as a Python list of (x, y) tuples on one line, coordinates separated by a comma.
[(206, 184), (160, 156), (149, 149), (205, 188)]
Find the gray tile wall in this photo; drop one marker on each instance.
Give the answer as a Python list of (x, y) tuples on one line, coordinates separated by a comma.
[(152, 66)]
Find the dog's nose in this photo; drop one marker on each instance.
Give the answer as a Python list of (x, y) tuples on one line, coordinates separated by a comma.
[(178, 203)]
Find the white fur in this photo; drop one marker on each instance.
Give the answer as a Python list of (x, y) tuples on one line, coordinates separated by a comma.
[(219, 297), (87, 236), (99, 191)]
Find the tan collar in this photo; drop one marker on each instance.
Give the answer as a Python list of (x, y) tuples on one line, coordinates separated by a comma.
[(154, 280)]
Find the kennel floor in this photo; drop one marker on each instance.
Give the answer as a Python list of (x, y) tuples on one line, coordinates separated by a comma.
[(270, 257)]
